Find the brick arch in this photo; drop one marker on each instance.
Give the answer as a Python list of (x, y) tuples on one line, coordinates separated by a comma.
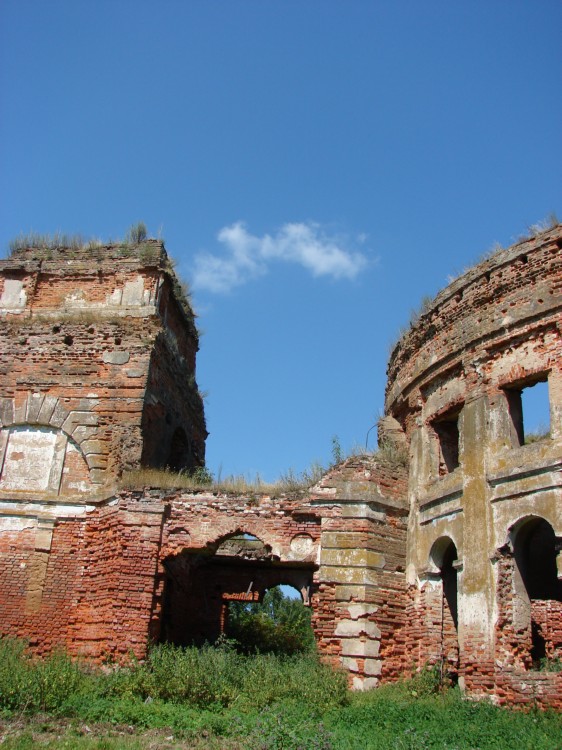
[(79, 425), (201, 576), (530, 592), (270, 542), (533, 535)]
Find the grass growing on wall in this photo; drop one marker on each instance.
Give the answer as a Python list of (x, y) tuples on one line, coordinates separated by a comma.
[(389, 454), (289, 482), (215, 698)]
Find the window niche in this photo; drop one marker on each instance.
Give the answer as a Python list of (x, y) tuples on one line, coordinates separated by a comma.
[(537, 588), (446, 430), (180, 450), (528, 406)]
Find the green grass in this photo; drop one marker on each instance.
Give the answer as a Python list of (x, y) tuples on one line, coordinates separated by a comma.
[(392, 717), (289, 483), (215, 698), (388, 454)]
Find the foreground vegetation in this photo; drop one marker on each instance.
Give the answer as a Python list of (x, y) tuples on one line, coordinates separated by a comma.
[(215, 698)]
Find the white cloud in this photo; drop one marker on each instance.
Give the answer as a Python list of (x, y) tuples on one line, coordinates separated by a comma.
[(247, 257)]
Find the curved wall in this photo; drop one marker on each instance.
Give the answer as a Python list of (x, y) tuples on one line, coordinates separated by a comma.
[(455, 385)]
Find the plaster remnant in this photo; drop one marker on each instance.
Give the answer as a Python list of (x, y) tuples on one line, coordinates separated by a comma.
[(14, 297)]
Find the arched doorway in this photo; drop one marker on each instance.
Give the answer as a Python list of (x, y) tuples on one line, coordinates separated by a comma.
[(201, 585), (537, 590), (444, 558)]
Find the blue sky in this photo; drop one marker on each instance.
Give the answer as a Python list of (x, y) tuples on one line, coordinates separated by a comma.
[(315, 167)]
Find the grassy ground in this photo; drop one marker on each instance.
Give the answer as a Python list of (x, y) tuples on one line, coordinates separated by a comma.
[(381, 723), (213, 699)]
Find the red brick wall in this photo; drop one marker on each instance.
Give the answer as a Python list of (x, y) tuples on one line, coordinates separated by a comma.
[(97, 589), (108, 359)]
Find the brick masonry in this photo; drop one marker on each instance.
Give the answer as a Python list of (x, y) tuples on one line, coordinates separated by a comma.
[(443, 548), (476, 491)]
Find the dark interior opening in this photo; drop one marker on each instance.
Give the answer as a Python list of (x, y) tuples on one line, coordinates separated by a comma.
[(535, 551), (450, 584), (447, 431), (535, 555), (179, 450), (444, 558), (202, 585)]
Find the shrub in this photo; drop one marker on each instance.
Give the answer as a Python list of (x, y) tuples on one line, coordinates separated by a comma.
[(337, 453), (137, 233), (28, 683), (202, 475), (269, 679), (290, 481), (56, 678), (16, 675), (274, 730), (222, 677), (550, 664), (392, 454)]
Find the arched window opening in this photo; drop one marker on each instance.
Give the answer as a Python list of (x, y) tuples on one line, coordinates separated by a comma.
[(244, 546), (537, 589), (445, 604), (535, 555), (444, 557), (450, 584)]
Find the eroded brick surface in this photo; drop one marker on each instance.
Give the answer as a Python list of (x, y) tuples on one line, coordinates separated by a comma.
[(485, 508), (98, 349), (443, 549)]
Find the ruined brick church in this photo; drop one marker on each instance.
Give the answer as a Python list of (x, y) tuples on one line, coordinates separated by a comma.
[(445, 547)]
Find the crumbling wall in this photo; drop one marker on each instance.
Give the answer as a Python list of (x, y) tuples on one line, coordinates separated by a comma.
[(202, 572), (81, 331), (362, 563), (94, 579), (455, 383), (173, 427), (423, 553), (84, 580), (80, 328)]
